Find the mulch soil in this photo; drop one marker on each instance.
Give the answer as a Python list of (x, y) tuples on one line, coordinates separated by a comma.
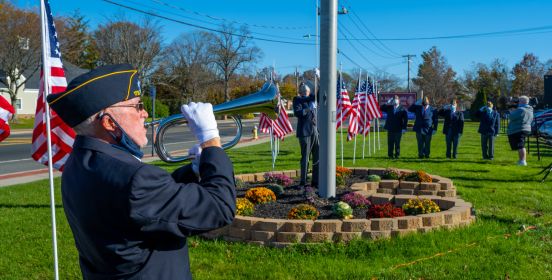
[(294, 195)]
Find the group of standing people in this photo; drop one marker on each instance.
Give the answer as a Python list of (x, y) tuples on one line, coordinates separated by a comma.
[(425, 125)]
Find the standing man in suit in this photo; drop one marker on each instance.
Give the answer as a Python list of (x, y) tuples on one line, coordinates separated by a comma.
[(453, 127), (131, 220), (395, 124), (425, 125), (489, 126), (304, 109)]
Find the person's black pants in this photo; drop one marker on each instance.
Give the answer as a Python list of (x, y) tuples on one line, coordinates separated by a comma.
[(394, 144), (452, 144), (424, 144), (309, 145), (487, 146)]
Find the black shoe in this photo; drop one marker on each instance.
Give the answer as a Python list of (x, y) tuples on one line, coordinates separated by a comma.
[(420, 156), (454, 157), (426, 156)]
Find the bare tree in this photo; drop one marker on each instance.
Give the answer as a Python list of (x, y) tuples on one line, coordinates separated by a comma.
[(127, 42), (388, 82), (231, 48), (20, 43), (435, 77), (528, 76), (185, 65)]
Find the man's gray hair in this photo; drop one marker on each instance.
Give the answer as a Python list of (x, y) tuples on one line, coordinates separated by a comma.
[(303, 88), (523, 99), (86, 127)]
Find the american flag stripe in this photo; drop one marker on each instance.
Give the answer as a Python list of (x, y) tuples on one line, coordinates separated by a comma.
[(62, 136), (343, 103), (280, 127)]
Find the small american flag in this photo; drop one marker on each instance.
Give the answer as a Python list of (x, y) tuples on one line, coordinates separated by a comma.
[(6, 112), (281, 126), (62, 135), (343, 102), (373, 105)]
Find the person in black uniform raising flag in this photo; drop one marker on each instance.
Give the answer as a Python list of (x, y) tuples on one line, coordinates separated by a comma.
[(304, 108), (396, 124), (130, 220)]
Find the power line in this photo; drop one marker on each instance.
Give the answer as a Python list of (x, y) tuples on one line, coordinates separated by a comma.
[(135, 4), (203, 27), (232, 21), (390, 51), (359, 52), (523, 31), (359, 42)]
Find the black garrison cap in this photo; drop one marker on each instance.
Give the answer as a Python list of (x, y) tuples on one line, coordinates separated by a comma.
[(94, 91)]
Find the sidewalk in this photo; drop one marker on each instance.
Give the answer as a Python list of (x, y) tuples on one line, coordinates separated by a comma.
[(40, 174)]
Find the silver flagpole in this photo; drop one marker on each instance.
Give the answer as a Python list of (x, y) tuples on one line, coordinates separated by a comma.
[(341, 112), (366, 122), (377, 100), (358, 107), (272, 148), (46, 91)]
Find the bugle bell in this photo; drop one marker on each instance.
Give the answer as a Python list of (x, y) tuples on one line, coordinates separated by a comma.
[(265, 101)]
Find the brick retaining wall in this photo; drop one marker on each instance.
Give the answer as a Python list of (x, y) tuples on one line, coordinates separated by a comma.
[(282, 232)]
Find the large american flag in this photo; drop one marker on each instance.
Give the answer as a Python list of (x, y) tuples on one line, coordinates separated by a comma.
[(373, 105), (343, 102), (62, 135)]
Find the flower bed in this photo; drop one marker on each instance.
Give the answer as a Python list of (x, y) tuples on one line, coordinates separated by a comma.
[(439, 194)]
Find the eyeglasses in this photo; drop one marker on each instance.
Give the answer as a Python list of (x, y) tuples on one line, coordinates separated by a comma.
[(138, 106)]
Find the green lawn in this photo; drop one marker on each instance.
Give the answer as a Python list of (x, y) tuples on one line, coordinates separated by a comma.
[(21, 123), (506, 198)]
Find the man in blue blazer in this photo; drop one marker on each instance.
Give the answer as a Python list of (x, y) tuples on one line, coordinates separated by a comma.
[(489, 126), (131, 220), (304, 109), (425, 125), (395, 124), (453, 127)]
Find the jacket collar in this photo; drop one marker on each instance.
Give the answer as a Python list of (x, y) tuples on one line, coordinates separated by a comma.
[(95, 144)]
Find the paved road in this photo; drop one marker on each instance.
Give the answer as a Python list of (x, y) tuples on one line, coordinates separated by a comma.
[(15, 151)]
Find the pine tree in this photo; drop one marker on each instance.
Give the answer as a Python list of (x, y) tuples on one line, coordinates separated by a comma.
[(480, 101)]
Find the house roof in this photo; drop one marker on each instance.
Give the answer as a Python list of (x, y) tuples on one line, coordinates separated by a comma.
[(33, 81)]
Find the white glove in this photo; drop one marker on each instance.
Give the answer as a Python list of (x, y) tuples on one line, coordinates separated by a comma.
[(195, 153), (201, 120)]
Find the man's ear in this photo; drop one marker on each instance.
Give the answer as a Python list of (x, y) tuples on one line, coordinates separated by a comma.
[(107, 123)]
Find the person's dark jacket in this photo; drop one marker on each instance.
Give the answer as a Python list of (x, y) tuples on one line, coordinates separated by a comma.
[(306, 116), (397, 120), (425, 122), (454, 121), (130, 220), (489, 124)]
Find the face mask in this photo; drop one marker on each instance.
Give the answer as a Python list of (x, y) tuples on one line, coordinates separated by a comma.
[(424, 103), (395, 102), (453, 108), (125, 143)]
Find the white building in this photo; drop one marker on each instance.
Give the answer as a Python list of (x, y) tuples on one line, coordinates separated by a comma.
[(25, 104)]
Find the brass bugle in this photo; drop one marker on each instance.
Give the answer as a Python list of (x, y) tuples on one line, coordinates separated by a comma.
[(265, 101)]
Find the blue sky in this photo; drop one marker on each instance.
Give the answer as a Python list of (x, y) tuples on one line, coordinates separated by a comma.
[(288, 20)]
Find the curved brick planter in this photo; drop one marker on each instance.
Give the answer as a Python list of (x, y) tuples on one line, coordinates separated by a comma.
[(281, 232)]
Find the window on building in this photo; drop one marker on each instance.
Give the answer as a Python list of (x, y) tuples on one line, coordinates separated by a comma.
[(18, 104)]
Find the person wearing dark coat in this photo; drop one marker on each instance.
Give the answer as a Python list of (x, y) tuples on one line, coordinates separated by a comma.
[(304, 109), (131, 220), (395, 124), (453, 127), (425, 125), (489, 126)]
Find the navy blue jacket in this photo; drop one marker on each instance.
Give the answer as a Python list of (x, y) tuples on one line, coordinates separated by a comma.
[(130, 220), (489, 124), (424, 123), (306, 118), (454, 122), (396, 121)]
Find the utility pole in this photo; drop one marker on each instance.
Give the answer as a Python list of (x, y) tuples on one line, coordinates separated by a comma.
[(408, 56), (296, 81)]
